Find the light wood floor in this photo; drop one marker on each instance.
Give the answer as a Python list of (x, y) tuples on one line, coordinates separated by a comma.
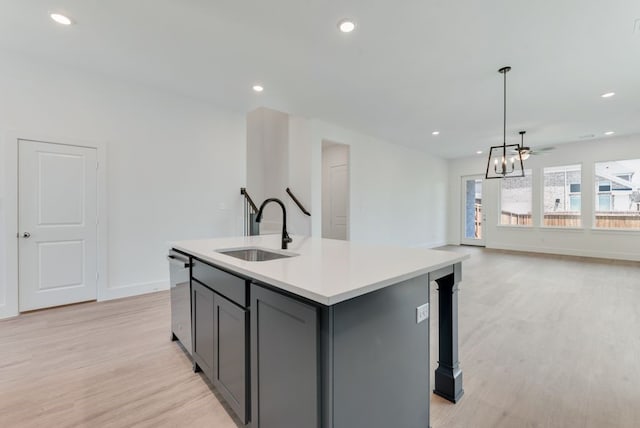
[(546, 341)]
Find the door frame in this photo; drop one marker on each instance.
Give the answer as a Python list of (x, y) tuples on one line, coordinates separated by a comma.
[(11, 141), (463, 202)]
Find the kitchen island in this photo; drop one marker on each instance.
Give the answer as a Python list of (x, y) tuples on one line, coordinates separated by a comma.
[(334, 334)]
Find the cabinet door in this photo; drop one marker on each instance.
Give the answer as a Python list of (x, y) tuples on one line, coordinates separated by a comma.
[(284, 361), (202, 327), (230, 363)]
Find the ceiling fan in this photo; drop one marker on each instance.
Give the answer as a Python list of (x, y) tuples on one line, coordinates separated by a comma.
[(526, 151)]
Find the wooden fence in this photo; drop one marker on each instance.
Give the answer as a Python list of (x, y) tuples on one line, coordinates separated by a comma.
[(618, 220), (605, 220), (513, 218), (562, 219)]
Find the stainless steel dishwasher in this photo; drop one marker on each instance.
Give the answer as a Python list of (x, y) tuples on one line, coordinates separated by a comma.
[(179, 273)]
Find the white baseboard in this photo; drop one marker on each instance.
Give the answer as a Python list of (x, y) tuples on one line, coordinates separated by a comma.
[(111, 293), (7, 312), (569, 252)]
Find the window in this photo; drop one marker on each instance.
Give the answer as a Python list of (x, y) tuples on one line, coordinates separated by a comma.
[(604, 202), (623, 184), (604, 186), (516, 200), (472, 208), (575, 203), (562, 198), (617, 189)]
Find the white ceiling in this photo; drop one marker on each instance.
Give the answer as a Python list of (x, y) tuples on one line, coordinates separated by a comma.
[(411, 66)]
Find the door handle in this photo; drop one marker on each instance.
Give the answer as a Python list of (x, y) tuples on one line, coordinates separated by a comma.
[(26, 235), (177, 261)]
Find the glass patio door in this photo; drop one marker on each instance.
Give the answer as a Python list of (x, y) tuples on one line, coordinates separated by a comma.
[(473, 216)]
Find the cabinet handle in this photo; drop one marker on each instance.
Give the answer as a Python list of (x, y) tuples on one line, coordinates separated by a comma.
[(179, 261)]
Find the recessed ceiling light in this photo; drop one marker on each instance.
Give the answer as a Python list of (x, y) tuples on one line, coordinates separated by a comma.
[(608, 95), (346, 25), (61, 19), (435, 133), (479, 152), (258, 88), (609, 133)]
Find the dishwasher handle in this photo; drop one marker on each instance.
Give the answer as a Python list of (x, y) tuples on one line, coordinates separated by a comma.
[(178, 261)]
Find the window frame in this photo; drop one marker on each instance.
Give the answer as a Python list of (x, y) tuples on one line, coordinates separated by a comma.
[(597, 193), (568, 195), (531, 226)]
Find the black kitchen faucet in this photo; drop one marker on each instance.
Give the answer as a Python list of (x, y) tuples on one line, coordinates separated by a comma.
[(285, 236)]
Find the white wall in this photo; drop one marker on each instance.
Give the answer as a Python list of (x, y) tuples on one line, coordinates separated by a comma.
[(277, 158), (5, 295), (582, 242), (299, 174), (268, 163), (174, 168), (397, 194)]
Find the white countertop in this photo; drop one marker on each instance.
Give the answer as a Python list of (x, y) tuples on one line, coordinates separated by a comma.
[(326, 271)]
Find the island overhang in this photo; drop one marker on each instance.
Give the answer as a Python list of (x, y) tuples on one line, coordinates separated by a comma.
[(325, 271)]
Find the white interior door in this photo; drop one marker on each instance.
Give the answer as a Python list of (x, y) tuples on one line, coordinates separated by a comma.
[(473, 216), (335, 190), (57, 192), (338, 188)]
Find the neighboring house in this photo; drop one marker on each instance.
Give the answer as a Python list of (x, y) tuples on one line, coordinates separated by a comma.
[(618, 186)]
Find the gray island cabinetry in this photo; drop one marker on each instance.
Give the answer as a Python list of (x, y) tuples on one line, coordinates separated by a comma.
[(284, 360), (323, 338), (359, 363), (220, 329)]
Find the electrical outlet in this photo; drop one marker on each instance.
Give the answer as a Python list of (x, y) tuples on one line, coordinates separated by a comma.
[(422, 313)]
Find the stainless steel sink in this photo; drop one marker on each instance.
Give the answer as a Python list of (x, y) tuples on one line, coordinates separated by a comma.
[(255, 254)]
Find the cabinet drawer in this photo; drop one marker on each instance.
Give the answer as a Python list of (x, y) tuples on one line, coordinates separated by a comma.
[(225, 284)]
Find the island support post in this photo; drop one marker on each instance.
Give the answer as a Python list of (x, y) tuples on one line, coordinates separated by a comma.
[(448, 375)]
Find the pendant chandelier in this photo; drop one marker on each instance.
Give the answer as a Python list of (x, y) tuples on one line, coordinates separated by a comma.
[(505, 161)]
